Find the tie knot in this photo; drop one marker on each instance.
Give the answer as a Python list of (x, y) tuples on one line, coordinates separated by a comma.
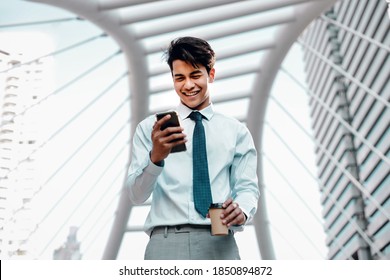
[(196, 116)]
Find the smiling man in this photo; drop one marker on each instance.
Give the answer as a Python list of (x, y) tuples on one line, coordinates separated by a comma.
[(218, 166)]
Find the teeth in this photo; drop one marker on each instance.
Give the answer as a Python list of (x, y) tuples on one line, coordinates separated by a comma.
[(191, 93)]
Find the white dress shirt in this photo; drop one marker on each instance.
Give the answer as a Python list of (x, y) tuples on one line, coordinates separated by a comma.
[(232, 161)]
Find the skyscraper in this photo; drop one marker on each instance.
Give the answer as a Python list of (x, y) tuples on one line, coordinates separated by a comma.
[(348, 65), (70, 250), (23, 86)]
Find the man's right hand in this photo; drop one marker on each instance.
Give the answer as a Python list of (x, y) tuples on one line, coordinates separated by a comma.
[(165, 140)]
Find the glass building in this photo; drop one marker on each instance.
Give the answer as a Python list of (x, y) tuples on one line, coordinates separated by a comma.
[(347, 65)]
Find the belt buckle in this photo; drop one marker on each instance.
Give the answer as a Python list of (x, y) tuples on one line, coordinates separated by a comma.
[(182, 229)]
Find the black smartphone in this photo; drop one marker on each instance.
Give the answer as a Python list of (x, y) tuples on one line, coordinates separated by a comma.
[(173, 121)]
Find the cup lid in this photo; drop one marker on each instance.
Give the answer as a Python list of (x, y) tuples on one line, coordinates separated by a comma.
[(216, 205)]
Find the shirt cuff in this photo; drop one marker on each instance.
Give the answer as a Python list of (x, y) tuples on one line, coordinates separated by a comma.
[(153, 169), (237, 228), (160, 163)]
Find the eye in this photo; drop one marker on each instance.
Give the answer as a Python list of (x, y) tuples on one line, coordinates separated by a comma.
[(196, 76)]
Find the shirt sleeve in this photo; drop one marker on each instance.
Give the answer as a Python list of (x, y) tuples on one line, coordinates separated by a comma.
[(243, 177), (142, 173)]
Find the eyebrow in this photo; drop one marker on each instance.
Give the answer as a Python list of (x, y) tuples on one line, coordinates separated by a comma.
[(192, 73)]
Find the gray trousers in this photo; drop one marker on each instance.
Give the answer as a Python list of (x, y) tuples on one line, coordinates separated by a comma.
[(188, 243)]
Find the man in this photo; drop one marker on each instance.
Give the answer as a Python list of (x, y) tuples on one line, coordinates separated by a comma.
[(177, 228)]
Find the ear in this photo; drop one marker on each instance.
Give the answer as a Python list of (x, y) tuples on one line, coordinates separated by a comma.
[(211, 75)]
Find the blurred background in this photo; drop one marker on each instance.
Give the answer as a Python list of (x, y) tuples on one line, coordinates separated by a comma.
[(309, 78)]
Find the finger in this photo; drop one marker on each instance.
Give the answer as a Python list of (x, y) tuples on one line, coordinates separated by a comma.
[(162, 139), (231, 212), (159, 123), (235, 211), (235, 218), (230, 207), (227, 202), (173, 129), (239, 220), (175, 137)]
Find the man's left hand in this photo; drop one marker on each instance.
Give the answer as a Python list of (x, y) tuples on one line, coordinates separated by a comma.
[(233, 214)]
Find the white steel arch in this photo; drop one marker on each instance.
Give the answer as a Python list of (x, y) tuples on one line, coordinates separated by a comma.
[(134, 25)]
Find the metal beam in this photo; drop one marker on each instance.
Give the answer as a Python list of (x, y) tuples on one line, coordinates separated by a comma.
[(116, 4), (167, 8), (286, 36), (193, 19), (228, 30)]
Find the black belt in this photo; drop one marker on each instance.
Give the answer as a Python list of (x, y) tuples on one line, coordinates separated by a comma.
[(185, 228), (180, 228)]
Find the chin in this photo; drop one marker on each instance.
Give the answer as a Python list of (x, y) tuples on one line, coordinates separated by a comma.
[(191, 106), (194, 104)]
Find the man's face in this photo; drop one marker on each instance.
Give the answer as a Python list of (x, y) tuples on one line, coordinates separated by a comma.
[(191, 84)]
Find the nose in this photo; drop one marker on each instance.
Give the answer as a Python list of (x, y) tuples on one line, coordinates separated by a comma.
[(189, 84)]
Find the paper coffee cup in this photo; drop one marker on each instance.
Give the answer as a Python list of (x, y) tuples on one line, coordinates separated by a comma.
[(217, 227)]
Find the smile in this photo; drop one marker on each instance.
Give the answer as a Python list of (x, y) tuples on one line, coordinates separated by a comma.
[(192, 93)]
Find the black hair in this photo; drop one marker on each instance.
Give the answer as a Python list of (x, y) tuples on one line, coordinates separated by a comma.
[(194, 51)]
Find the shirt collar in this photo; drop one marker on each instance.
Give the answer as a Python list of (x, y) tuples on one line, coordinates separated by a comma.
[(184, 111)]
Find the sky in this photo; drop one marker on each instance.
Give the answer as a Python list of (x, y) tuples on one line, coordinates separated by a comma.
[(292, 194)]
